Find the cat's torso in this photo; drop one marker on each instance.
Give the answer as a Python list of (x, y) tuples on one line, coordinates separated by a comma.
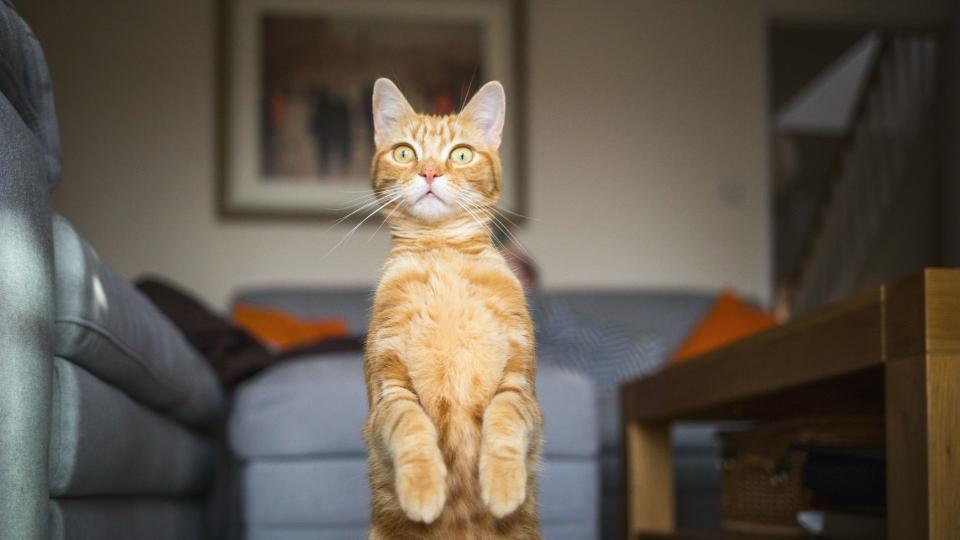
[(451, 317)]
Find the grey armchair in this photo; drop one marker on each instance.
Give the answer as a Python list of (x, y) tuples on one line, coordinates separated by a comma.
[(103, 404)]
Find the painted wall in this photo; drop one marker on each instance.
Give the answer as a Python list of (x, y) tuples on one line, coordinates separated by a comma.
[(647, 146)]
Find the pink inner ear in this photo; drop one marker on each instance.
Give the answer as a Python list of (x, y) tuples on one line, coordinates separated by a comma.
[(389, 108), (486, 112)]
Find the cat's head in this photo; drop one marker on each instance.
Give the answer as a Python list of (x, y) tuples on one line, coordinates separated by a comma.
[(437, 169)]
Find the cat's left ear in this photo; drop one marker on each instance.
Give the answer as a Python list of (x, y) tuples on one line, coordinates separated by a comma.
[(486, 112), (389, 109)]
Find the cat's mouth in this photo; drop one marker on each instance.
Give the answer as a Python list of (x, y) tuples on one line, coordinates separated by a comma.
[(430, 195), (430, 205)]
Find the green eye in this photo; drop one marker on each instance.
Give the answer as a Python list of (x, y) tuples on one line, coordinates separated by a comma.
[(461, 155), (404, 154)]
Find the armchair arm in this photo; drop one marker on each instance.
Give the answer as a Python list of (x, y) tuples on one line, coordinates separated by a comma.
[(26, 323), (29, 167)]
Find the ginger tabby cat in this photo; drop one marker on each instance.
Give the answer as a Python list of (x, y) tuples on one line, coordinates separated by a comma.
[(454, 430)]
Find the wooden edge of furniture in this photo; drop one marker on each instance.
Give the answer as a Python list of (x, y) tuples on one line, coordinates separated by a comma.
[(841, 339), (906, 334)]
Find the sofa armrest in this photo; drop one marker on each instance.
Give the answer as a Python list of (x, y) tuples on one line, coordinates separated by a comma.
[(29, 167), (106, 326), (26, 323)]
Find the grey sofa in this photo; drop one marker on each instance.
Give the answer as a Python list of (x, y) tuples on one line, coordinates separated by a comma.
[(296, 428), (103, 405)]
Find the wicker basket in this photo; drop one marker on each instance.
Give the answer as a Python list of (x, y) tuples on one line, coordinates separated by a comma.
[(760, 501), (763, 470)]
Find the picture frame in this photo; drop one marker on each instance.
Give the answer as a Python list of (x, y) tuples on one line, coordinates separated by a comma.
[(295, 135)]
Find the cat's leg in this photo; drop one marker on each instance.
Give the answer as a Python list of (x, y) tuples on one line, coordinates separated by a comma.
[(510, 424), (409, 437)]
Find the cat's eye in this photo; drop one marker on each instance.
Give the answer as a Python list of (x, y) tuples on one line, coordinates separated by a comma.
[(461, 155), (404, 154)]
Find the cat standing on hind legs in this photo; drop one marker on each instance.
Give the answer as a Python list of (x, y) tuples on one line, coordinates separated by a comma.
[(454, 427)]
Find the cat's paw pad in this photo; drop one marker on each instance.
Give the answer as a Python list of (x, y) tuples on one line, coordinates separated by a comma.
[(503, 484), (421, 489)]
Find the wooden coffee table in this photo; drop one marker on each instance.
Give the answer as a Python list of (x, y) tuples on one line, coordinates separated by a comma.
[(894, 351)]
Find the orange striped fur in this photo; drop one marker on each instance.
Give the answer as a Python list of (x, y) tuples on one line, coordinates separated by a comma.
[(454, 426)]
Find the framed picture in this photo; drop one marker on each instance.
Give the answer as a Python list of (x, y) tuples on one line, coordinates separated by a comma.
[(296, 132)]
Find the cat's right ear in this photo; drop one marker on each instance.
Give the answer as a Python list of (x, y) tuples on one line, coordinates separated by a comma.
[(389, 109)]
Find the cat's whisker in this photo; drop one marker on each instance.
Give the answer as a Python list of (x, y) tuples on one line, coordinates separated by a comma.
[(517, 214), (513, 237), (351, 204), (361, 208), (478, 203), (365, 195), (357, 226), (472, 215), (509, 221), (386, 219), (373, 202), (466, 94), (505, 217), (497, 223)]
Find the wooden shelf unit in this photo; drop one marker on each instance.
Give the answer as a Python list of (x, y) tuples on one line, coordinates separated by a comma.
[(893, 351)]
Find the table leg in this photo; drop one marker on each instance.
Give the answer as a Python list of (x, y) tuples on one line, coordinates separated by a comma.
[(649, 479), (923, 447)]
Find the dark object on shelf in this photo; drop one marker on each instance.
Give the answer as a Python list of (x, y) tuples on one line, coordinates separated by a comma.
[(763, 467), (843, 526), (851, 478)]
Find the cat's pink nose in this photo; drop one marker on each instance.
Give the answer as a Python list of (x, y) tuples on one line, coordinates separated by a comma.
[(429, 173)]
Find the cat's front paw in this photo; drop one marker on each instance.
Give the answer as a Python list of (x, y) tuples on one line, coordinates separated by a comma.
[(422, 488), (503, 484)]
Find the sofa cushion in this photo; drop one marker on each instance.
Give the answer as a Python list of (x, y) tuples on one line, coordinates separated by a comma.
[(310, 405), (155, 455), (95, 518), (110, 329), (306, 491), (569, 491), (318, 405)]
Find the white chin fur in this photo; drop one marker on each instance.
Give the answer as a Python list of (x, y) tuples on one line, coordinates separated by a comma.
[(430, 207)]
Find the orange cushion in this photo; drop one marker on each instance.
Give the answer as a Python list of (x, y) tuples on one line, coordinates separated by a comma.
[(282, 330), (728, 320)]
